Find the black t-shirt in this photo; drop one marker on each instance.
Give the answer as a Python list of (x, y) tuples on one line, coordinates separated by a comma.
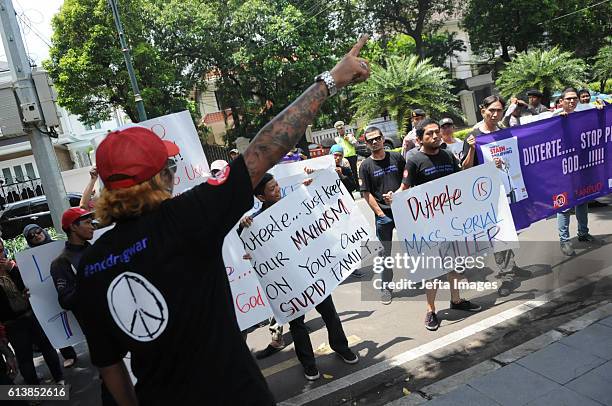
[(422, 168), (156, 286), (382, 176)]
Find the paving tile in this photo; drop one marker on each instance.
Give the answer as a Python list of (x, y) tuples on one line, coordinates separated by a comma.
[(596, 384), (514, 385), (560, 362), (463, 396), (563, 397), (595, 340), (607, 321)]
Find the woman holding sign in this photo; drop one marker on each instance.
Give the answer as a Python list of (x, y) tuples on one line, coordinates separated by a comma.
[(492, 109)]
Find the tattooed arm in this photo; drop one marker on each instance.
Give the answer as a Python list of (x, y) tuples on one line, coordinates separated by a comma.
[(282, 133)]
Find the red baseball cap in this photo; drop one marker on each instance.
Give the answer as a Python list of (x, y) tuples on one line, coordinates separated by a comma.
[(73, 214), (134, 154)]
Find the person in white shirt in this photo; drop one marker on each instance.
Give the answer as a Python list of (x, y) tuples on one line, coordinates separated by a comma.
[(447, 130)]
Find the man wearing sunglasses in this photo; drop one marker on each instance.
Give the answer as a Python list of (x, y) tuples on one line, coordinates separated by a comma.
[(381, 175)]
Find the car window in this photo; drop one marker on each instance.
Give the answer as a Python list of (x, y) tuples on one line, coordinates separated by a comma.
[(17, 211), (39, 206)]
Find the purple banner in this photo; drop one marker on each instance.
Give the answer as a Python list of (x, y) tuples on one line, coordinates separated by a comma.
[(554, 164)]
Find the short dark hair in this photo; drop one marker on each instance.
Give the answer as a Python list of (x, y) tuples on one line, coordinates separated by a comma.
[(583, 91), (568, 90), (420, 128), (372, 129), (492, 99), (259, 189)]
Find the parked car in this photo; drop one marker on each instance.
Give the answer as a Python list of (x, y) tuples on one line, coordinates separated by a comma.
[(389, 130), (16, 216)]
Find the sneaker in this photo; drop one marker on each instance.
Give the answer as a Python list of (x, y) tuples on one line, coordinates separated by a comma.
[(349, 356), (431, 321), (505, 288), (266, 352), (69, 363), (465, 305), (357, 274), (386, 297), (311, 373), (589, 238), (521, 273), (567, 250)]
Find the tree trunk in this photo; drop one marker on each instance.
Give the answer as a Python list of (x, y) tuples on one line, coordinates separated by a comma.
[(505, 53)]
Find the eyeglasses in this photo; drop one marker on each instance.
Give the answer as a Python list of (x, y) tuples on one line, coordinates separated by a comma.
[(446, 126), (375, 139), (570, 98)]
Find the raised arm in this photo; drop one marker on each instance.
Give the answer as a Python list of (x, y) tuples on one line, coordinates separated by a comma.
[(281, 134)]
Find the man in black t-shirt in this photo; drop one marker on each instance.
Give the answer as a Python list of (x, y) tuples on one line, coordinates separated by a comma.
[(268, 192), (155, 285), (427, 164), (381, 175)]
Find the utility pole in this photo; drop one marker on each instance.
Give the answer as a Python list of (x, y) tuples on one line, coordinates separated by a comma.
[(42, 149), (142, 114)]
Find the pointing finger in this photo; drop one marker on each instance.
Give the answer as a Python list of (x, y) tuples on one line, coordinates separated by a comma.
[(357, 48)]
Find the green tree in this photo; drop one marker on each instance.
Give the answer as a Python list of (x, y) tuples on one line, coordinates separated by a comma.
[(414, 18), (602, 66), (544, 70), (580, 26), (494, 25), (262, 54), (87, 66), (404, 84)]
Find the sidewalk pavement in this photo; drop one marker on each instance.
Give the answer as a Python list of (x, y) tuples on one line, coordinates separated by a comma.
[(573, 366)]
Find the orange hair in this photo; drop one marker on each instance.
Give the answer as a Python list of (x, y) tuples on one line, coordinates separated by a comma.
[(119, 204)]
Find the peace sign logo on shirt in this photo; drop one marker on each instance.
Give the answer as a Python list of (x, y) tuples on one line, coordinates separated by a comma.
[(138, 308)]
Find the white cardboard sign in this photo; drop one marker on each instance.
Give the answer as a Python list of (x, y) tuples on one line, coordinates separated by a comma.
[(60, 326), (306, 244), (465, 214)]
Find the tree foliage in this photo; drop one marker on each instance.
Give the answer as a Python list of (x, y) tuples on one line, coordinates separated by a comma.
[(543, 70), (602, 65), (584, 30), (525, 24), (404, 84), (415, 18), (262, 54), (88, 69)]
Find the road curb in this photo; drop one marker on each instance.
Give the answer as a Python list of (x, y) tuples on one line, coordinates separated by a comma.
[(512, 355)]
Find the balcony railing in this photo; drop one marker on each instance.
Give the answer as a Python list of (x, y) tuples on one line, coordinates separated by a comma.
[(20, 190)]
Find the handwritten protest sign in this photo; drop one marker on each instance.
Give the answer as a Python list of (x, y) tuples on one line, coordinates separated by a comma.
[(306, 244), (250, 303), (461, 215), (59, 325), (192, 166)]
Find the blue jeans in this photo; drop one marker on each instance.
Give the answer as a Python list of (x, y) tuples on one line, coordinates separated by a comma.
[(563, 222), (384, 232)]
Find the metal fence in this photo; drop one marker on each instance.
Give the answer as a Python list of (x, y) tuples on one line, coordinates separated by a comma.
[(214, 152), (16, 191)]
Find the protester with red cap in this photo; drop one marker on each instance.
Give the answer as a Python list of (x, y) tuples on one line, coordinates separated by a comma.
[(155, 285), (77, 224)]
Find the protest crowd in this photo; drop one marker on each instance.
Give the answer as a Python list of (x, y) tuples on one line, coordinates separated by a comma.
[(155, 286)]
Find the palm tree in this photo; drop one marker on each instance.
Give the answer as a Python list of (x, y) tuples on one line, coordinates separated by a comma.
[(543, 70), (406, 83), (602, 68)]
